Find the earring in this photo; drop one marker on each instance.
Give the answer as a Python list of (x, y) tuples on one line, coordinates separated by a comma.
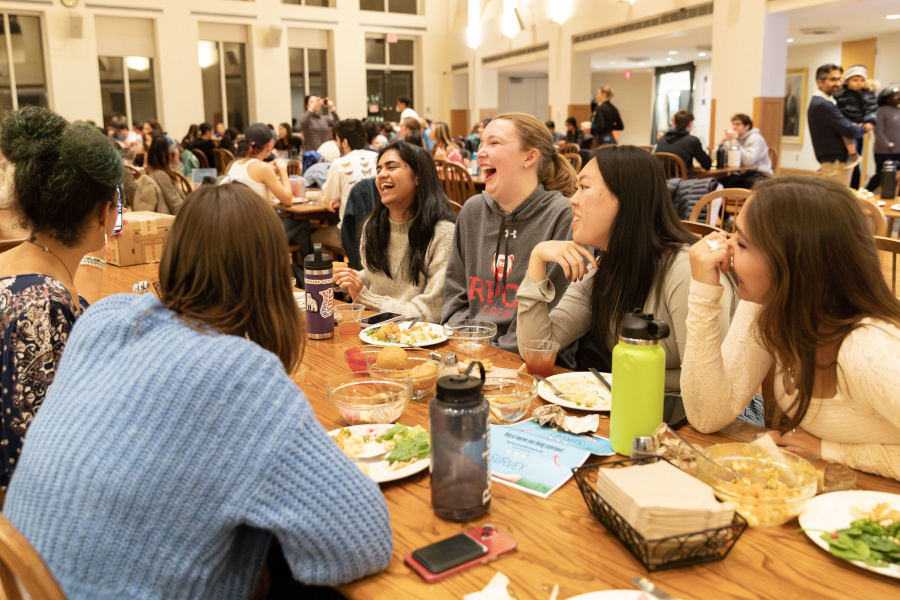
[(105, 239)]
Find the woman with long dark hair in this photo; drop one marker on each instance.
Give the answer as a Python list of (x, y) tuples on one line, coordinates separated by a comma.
[(817, 310), (161, 192), (137, 444), (406, 240), (286, 142), (623, 209)]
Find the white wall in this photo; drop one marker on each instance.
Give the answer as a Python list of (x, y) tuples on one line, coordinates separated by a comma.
[(526, 94), (634, 100)]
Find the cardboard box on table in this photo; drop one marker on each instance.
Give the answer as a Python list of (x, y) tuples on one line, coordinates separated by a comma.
[(144, 237)]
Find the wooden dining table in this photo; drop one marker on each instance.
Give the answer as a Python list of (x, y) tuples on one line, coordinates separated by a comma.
[(559, 541), (718, 173)]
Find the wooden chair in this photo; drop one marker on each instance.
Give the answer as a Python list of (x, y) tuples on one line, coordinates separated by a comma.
[(732, 200), (892, 247), (673, 165), (874, 216), (294, 167), (201, 159), (700, 229), (574, 158), (455, 206), (773, 158), (457, 181), (647, 148), (186, 186), (133, 171), (565, 148), (224, 158), (22, 567)]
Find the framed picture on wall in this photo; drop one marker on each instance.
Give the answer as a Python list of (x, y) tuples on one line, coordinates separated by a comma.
[(794, 106)]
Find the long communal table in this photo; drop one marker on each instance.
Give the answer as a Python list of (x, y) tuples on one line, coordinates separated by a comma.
[(559, 541)]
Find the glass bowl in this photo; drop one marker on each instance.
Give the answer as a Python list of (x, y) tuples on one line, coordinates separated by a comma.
[(776, 489), (510, 397), (422, 371), (356, 359), (469, 339), (363, 399)]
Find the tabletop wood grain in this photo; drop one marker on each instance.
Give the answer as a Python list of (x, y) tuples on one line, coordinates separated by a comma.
[(559, 541)]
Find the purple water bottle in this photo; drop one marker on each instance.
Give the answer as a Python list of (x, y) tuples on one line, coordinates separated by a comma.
[(319, 287)]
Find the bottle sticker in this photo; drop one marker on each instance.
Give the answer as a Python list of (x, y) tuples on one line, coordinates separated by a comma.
[(326, 308)]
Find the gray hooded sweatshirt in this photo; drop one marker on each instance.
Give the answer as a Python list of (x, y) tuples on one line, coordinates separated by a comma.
[(489, 258)]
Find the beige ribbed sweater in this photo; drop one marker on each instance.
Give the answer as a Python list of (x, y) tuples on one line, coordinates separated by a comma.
[(398, 294), (859, 426)]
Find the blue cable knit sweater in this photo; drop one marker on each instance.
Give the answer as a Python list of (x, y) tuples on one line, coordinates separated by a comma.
[(164, 460)]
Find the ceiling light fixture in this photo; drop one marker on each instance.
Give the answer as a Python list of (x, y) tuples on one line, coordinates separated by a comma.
[(789, 40), (673, 52), (702, 54), (892, 17), (560, 10), (473, 32)]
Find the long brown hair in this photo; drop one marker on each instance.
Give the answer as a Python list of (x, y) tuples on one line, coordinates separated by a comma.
[(825, 273), (554, 171), (443, 140), (225, 265)]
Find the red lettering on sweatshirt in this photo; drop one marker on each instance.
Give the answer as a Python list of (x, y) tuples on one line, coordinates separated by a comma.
[(478, 287)]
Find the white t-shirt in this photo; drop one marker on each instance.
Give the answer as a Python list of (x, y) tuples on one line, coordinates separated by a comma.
[(329, 151), (345, 171), (408, 112)]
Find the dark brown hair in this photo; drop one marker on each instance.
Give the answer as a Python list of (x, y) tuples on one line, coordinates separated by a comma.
[(225, 265), (825, 274), (682, 119), (554, 171)]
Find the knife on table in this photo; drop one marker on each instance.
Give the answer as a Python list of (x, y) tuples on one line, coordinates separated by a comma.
[(647, 587)]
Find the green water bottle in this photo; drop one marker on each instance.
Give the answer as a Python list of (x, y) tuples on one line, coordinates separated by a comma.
[(639, 374)]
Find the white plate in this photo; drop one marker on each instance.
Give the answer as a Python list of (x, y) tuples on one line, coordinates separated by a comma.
[(832, 511), (612, 595), (380, 472), (434, 328), (881, 203), (604, 404), (895, 207)]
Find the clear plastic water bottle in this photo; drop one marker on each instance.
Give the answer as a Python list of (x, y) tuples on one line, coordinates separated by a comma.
[(318, 285), (459, 419), (639, 375)]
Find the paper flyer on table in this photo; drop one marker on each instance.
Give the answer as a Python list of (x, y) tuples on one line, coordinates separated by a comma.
[(536, 459)]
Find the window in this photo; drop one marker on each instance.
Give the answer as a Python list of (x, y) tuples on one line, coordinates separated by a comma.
[(308, 2), (127, 88), (390, 71), (22, 78), (224, 76), (408, 7), (308, 56)]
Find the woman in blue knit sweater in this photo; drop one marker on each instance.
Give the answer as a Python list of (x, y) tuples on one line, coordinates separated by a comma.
[(173, 449)]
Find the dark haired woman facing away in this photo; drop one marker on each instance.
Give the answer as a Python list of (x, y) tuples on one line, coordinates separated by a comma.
[(65, 186), (621, 207), (173, 449), (406, 240), (815, 307)]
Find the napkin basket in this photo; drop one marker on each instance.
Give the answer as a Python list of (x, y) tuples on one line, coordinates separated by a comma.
[(665, 553)]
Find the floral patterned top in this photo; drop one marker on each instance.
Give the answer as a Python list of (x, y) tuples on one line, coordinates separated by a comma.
[(36, 316)]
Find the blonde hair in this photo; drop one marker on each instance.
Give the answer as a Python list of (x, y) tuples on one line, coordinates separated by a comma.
[(442, 133), (554, 171)]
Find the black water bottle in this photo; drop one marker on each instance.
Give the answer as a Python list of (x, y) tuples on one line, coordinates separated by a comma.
[(721, 157), (888, 180)]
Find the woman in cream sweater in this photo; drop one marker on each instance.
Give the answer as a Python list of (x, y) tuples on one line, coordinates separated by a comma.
[(815, 308)]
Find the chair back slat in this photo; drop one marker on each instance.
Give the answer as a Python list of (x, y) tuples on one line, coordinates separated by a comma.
[(22, 567), (701, 229), (457, 182), (566, 148), (732, 200), (574, 158), (874, 215), (888, 249), (672, 164)]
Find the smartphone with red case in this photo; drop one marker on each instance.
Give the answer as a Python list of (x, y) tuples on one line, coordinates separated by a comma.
[(463, 551)]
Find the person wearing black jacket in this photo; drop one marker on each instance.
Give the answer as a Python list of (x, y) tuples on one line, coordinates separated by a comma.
[(606, 118), (680, 142), (205, 143)]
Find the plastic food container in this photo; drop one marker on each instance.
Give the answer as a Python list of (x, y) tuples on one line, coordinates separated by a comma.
[(423, 373), (363, 399), (776, 489), (469, 339), (509, 397)]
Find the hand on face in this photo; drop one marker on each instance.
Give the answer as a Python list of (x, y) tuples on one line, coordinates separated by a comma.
[(708, 257), (567, 254)]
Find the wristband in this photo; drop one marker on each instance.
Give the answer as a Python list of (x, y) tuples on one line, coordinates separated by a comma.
[(93, 261)]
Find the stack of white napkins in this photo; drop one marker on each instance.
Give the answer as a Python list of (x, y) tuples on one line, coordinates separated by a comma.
[(660, 500)]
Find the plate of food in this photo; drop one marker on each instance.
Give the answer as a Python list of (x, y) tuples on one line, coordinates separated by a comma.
[(858, 526), (582, 390), (421, 334), (406, 450)]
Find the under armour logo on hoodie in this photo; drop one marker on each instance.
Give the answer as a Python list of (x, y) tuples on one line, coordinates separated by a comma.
[(508, 234)]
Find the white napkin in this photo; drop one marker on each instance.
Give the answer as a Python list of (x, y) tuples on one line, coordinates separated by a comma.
[(496, 589)]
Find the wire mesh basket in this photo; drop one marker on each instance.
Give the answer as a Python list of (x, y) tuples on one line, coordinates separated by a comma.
[(664, 553)]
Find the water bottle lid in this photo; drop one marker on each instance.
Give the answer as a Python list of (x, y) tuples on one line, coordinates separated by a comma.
[(317, 262), (462, 387), (638, 326)]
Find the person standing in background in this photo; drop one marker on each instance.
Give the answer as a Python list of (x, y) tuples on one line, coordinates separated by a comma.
[(404, 107), (316, 127), (606, 119), (828, 127), (856, 101), (887, 132)]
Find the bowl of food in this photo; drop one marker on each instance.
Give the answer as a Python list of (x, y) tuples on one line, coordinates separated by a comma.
[(356, 359), (774, 485), (392, 362), (510, 396), (363, 399), (469, 338)]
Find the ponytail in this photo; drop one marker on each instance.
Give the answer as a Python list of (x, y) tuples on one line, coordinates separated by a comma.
[(560, 175)]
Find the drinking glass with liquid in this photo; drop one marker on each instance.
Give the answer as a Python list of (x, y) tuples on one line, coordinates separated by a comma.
[(540, 356), (347, 318)]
